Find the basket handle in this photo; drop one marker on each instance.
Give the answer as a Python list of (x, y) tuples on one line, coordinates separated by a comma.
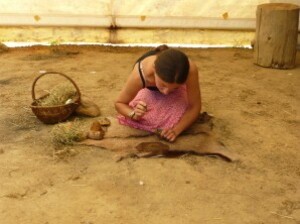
[(59, 73)]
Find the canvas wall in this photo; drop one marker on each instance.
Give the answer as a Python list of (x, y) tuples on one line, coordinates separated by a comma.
[(227, 22)]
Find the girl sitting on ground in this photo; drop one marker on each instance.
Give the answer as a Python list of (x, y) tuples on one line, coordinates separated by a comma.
[(161, 93)]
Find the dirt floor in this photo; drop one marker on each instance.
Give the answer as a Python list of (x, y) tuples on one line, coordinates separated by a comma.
[(256, 115)]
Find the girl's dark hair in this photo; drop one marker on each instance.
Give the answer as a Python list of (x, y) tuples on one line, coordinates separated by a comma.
[(171, 65)]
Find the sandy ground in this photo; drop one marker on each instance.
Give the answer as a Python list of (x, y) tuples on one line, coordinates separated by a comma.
[(256, 115)]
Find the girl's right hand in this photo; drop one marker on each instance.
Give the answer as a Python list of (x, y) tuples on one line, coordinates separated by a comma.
[(140, 109)]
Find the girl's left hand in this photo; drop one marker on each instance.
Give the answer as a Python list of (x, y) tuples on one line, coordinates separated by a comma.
[(169, 134)]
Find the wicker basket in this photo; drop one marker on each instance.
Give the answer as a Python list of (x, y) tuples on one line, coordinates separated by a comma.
[(58, 113)]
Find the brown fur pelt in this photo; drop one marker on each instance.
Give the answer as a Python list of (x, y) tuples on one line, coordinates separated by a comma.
[(128, 142)]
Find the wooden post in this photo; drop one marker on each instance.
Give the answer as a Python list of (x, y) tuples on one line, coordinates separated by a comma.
[(276, 35)]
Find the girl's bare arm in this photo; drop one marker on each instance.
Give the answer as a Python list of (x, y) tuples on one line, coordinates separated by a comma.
[(194, 101), (129, 91)]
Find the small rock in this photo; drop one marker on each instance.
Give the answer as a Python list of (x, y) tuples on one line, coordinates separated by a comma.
[(74, 177), (43, 192)]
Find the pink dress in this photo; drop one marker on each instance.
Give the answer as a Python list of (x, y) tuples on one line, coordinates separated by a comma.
[(163, 111)]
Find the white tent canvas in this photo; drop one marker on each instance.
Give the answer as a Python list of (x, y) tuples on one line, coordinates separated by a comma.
[(230, 22)]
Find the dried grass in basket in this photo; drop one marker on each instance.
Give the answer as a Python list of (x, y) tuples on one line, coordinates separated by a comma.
[(57, 113)]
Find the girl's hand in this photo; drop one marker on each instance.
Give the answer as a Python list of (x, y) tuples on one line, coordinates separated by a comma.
[(169, 134), (140, 109)]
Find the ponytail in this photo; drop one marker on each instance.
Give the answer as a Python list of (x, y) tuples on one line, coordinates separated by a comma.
[(161, 48)]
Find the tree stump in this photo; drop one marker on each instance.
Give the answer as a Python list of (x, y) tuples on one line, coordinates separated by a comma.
[(276, 35)]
